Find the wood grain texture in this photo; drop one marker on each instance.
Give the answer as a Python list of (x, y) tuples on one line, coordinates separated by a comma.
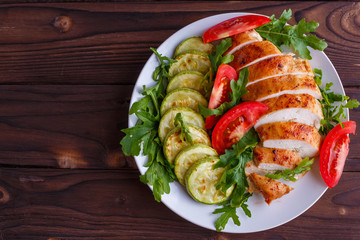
[(67, 70), (74, 204), (109, 43)]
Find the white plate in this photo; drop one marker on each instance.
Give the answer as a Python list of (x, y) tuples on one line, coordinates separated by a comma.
[(306, 191)]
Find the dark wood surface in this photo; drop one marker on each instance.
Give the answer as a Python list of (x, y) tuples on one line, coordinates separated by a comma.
[(66, 75)]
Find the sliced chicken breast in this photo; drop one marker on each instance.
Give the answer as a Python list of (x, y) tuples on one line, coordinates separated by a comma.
[(242, 39), (301, 108), (274, 159), (278, 66), (269, 188), (253, 53), (286, 84), (305, 140)]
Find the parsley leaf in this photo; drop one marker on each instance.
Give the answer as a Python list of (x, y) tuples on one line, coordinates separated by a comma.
[(295, 36), (238, 89), (289, 174), (145, 133)]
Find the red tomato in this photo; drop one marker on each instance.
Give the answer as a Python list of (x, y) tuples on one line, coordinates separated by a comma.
[(220, 91), (334, 151), (233, 125), (234, 26)]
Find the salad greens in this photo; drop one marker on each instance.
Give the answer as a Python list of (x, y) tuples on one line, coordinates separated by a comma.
[(289, 174), (185, 131), (159, 173), (280, 33), (333, 105)]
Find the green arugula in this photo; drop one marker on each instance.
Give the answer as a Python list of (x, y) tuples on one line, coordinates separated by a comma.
[(217, 57), (278, 32), (333, 105), (238, 89), (234, 160), (289, 174), (145, 133), (185, 131)]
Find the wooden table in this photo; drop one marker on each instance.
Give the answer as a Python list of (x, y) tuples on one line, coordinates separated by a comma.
[(67, 72)]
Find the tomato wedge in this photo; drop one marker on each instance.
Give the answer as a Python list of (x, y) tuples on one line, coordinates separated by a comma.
[(220, 91), (334, 151), (233, 125), (234, 26)]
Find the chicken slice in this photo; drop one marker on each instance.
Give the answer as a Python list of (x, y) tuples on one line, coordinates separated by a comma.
[(278, 66), (253, 53), (273, 159), (269, 188), (286, 84), (301, 108), (305, 140), (242, 39)]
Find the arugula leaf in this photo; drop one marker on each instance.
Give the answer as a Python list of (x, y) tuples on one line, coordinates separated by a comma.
[(227, 213), (295, 36), (333, 105), (217, 57), (235, 160), (145, 133), (185, 131), (238, 89), (289, 174)]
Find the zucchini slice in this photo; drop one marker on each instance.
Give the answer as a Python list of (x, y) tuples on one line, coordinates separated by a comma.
[(167, 120), (188, 79), (188, 156), (183, 97), (173, 143), (190, 61), (193, 43), (201, 180)]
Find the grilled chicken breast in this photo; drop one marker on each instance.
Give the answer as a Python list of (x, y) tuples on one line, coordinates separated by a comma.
[(242, 39), (305, 140), (269, 188), (301, 108), (278, 66), (253, 53), (286, 84), (275, 159)]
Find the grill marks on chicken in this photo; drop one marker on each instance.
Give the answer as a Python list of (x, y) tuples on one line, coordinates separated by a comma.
[(278, 66), (301, 108), (286, 84), (289, 131), (253, 53)]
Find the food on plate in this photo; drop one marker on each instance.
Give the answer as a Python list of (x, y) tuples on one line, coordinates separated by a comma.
[(188, 156), (269, 188), (220, 91), (167, 120), (263, 117), (201, 180), (234, 26), (192, 60), (173, 143), (334, 152), (183, 97)]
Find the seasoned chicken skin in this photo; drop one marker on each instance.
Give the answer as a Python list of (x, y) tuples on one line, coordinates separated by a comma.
[(269, 188), (253, 53), (286, 84), (301, 138), (242, 39), (301, 108), (275, 158), (277, 66)]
